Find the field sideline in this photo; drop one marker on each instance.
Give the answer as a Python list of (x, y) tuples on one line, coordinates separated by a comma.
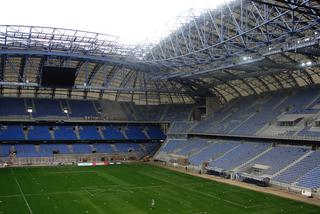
[(129, 189)]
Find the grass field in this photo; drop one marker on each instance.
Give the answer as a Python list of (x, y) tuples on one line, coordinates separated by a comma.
[(129, 189)]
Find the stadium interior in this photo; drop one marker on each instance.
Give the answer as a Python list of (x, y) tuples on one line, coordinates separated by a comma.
[(232, 92)]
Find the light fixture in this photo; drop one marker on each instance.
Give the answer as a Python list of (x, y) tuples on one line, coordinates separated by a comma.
[(247, 57), (29, 110), (309, 63), (65, 111)]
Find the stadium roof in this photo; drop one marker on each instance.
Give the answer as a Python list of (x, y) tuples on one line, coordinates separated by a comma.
[(241, 48)]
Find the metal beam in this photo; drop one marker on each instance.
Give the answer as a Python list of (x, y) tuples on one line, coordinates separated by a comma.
[(127, 62)]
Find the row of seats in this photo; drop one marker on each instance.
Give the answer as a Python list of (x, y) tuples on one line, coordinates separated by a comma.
[(239, 155), (254, 115), (295, 165), (180, 127), (85, 109), (16, 132), (48, 150), (293, 173), (278, 158), (49, 108), (165, 112)]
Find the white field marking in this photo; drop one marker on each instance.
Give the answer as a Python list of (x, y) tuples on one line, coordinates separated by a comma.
[(101, 186), (70, 172), (113, 188), (203, 193), (10, 196), (216, 197), (254, 206), (23, 196), (87, 191), (91, 188), (192, 211)]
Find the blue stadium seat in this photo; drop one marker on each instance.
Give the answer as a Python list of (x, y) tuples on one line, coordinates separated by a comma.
[(12, 106), (11, 132), (103, 148), (46, 150), (112, 133), (135, 133), (89, 133), (64, 133), (4, 150), (299, 169), (26, 150), (127, 147), (311, 179), (46, 107), (81, 148), (278, 158), (155, 133), (82, 108), (39, 133)]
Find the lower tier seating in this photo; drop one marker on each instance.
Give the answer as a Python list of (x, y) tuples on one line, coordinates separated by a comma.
[(298, 166), (49, 150)]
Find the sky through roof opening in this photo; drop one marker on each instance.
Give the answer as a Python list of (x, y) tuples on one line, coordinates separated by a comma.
[(135, 21)]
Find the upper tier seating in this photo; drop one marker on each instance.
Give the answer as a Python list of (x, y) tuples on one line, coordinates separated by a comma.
[(158, 112), (148, 113), (258, 115), (88, 109), (180, 127), (12, 106), (47, 108), (178, 113), (80, 108), (306, 132)]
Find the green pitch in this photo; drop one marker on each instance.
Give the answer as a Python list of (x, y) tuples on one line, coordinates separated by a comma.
[(129, 189)]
